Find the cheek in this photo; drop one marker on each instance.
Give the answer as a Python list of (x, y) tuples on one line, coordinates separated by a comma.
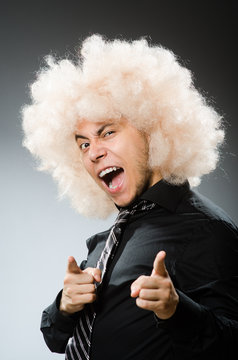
[(86, 164), (128, 149)]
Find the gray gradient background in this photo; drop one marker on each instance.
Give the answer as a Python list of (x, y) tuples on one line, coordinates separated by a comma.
[(37, 231)]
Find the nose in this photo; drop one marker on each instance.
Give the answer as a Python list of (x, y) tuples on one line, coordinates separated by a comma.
[(96, 152)]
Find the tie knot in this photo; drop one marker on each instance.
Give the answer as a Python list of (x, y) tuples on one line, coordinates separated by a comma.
[(125, 213)]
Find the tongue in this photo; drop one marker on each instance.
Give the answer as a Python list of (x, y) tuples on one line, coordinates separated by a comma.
[(116, 180)]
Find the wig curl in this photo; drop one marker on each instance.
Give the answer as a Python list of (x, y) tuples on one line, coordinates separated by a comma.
[(113, 79)]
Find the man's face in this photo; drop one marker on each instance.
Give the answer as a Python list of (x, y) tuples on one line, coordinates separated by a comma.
[(115, 154)]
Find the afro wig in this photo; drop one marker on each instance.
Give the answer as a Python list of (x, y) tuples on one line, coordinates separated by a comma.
[(113, 79)]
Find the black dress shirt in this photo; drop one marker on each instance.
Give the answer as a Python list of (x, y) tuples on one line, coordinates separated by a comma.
[(201, 243)]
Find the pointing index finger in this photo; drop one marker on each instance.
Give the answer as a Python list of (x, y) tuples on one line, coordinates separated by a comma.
[(159, 267), (73, 266)]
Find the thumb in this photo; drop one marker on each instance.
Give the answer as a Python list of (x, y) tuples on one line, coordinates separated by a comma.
[(95, 272), (73, 266), (159, 267)]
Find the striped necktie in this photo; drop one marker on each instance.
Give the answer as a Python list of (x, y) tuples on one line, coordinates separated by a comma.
[(78, 347)]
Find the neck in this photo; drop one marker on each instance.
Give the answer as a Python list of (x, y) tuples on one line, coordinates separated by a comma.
[(155, 177)]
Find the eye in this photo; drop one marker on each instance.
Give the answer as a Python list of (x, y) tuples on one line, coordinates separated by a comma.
[(108, 133), (84, 146)]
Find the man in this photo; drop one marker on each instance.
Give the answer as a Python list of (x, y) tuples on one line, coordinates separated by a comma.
[(125, 130)]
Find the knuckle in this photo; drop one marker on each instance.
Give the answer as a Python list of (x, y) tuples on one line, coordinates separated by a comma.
[(91, 288), (145, 303), (74, 300), (87, 271), (67, 279), (68, 291), (88, 278), (133, 284), (91, 280), (138, 301), (91, 298), (142, 294), (142, 279), (142, 303)]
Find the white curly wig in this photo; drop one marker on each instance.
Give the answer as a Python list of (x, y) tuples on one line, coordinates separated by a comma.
[(114, 79)]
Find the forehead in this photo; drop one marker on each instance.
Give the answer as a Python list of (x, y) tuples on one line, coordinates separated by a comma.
[(84, 123)]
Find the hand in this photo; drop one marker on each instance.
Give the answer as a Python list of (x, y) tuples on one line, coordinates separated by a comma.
[(79, 288), (156, 292)]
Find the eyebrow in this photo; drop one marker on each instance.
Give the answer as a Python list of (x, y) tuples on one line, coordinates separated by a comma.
[(98, 132)]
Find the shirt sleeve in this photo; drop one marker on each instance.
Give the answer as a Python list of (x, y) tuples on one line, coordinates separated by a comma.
[(205, 324), (199, 333), (56, 327)]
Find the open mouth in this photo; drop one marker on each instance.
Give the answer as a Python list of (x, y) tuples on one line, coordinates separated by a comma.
[(112, 177)]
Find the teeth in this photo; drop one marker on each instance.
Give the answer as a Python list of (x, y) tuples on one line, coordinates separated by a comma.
[(108, 170), (112, 187)]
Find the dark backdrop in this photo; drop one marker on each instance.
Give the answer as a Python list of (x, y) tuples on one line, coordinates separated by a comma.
[(37, 231)]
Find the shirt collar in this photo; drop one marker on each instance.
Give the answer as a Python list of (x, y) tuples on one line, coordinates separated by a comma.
[(166, 195)]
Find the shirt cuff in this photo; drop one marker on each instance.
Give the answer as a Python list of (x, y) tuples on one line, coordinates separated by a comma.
[(186, 319)]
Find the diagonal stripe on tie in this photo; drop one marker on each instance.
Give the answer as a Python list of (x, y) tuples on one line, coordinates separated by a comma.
[(78, 347)]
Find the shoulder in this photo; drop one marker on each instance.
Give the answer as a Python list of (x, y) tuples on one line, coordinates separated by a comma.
[(96, 239), (212, 244), (195, 203), (216, 221)]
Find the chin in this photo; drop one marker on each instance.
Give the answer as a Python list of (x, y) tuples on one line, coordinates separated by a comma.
[(124, 202)]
